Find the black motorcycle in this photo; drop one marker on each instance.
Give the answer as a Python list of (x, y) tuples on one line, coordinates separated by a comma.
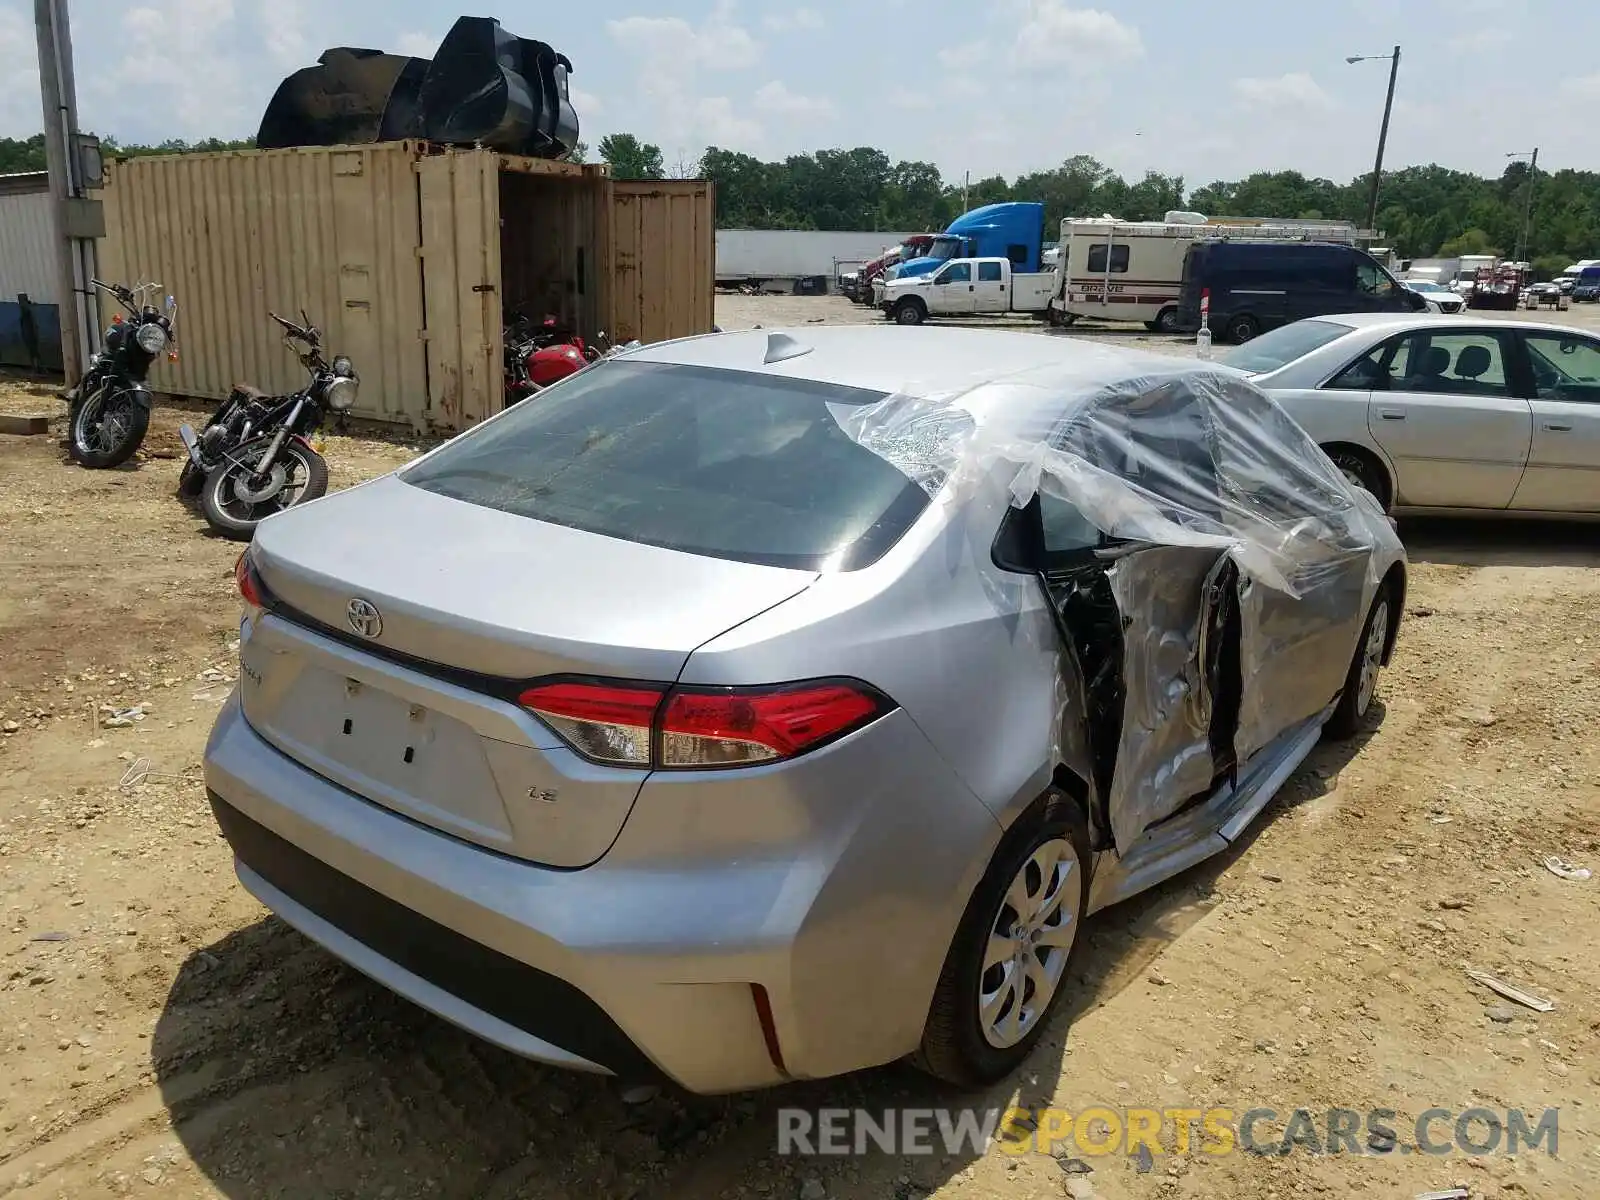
[(109, 409), (254, 457)]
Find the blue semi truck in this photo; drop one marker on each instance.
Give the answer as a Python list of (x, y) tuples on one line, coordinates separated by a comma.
[(1013, 231)]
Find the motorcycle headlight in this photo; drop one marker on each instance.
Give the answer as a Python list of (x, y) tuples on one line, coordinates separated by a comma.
[(344, 368), (340, 393), (151, 338)]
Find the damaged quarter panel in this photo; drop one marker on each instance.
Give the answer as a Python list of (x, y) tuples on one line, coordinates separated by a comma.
[(1224, 549)]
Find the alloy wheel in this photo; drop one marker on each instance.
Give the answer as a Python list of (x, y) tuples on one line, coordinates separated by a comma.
[(1372, 657), (1029, 942)]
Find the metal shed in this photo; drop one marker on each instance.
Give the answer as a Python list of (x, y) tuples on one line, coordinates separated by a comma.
[(407, 255), (30, 309)]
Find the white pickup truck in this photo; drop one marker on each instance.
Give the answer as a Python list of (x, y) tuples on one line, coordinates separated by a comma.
[(967, 286)]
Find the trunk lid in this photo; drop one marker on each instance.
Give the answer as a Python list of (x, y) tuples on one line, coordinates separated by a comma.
[(407, 620)]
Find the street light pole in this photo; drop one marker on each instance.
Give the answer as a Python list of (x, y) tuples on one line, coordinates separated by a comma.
[(1383, 130), (1525, 242)]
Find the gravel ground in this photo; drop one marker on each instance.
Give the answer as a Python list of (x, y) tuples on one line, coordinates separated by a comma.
[(161, 1035)]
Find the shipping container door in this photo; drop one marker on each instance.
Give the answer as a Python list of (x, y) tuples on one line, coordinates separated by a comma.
[(379, 319), (663, 259), (460, 198)]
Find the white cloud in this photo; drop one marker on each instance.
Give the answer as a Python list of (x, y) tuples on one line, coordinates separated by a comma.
[(21, 114), (963, 56), (180, 53), (585, 104), (795, 19), (417, 45), (672, 43), (1478, 41), (720, 124), (1294, 90), (911, 101), (775, 97), (283, 25), (1054, 34), (672, 55), (1583, 87)]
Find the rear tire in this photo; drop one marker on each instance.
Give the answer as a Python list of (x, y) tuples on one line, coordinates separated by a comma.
[(960, 1044), (219, 503), (909, 312), (1166, 320), (1361, 681), (1240, 329)]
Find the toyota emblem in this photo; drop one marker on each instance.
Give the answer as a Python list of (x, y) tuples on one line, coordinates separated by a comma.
[(364, 617)]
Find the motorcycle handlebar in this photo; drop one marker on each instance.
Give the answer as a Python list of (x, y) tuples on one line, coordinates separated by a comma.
[(305, 333)]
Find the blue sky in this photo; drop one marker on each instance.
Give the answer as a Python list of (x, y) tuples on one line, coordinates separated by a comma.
[(1208, 91)]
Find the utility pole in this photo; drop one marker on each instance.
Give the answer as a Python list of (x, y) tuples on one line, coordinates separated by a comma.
[(1383, 136), (1383, 130), (966, 188), (78, 221), (1525, 243)]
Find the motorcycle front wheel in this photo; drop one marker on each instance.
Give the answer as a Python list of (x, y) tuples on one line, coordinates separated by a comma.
[(106, 427), (236, 498)]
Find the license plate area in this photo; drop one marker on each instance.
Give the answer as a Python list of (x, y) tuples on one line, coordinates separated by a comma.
[(406, 756)]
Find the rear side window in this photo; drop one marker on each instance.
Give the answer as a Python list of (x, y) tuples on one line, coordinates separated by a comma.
[(989, 272), (1098, 255), (728, 464)]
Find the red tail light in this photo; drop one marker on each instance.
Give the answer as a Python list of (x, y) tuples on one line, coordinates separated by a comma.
[(734, 727), (250, 586), (605, 723), (646, 725)]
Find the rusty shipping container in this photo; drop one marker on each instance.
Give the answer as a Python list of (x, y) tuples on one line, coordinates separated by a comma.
[(406, 255)]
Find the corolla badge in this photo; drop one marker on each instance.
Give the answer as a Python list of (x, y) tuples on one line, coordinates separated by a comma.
[(364, 617)]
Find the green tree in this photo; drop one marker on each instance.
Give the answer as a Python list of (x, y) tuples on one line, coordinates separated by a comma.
[(1469, 241), (24, 154), (629, 158)]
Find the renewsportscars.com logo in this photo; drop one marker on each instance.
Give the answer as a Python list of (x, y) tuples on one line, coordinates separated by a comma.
[(1100, 1131)]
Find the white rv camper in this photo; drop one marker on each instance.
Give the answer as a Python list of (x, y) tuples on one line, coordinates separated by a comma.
[(1114, 270)]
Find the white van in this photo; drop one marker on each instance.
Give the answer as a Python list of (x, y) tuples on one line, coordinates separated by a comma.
[(1132, 270)]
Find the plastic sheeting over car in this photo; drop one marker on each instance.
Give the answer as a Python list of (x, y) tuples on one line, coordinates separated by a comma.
[(484, 86), (1179, 468)]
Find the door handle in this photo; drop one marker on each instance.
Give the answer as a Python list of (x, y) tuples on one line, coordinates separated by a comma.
[(1391, 414), (1553, 427)]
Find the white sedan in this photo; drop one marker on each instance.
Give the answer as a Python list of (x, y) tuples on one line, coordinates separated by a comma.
[(1437, 414), (1440, 298)]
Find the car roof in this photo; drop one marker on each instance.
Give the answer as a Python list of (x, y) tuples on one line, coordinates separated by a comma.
[(1399, 322), (929, 361)]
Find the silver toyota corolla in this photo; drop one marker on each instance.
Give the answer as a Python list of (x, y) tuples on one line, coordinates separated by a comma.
[(766, 706)]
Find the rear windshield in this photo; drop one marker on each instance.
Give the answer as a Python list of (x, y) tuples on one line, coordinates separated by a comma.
[(729, 464), (1283, 345)]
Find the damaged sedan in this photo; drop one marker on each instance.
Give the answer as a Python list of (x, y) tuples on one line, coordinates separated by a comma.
[(767, 706)]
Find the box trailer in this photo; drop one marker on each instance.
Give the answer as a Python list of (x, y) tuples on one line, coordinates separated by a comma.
[(409, 256), (794, 260)]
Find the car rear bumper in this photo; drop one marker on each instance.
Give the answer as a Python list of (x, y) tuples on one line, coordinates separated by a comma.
[(647, 963)]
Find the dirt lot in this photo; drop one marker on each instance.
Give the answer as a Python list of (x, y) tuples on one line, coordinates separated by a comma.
[(159, 1034)]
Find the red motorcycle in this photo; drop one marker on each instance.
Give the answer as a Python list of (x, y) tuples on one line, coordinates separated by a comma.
[(537, 356)]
